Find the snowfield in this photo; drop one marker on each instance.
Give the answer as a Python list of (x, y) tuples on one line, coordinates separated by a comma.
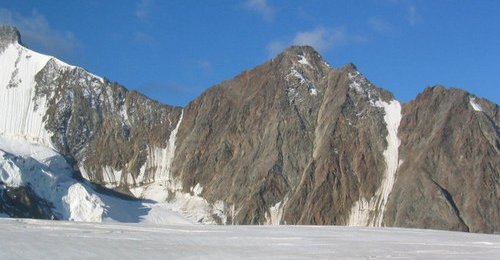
[(42, 239)]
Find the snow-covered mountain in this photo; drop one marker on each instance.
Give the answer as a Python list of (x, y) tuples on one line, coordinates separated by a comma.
[(292, 141)]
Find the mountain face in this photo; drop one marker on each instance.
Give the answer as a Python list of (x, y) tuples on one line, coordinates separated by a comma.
[(292, 141), (450, 175), (274, 142), (59, 123)]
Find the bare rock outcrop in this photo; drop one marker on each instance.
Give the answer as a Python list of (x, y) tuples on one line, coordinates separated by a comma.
[(450, 175)]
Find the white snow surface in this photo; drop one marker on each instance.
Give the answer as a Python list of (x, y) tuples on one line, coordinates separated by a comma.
[(17, 78), (82, 205), (292, 92), (39, 239), (275, 214), (295, 73), (475, 105), (50, 177), (313, 91), (370, 212)]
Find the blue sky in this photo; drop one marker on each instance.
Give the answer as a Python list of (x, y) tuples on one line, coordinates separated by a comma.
[(173, 50)]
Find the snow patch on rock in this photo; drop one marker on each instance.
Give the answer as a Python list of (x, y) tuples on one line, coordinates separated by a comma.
[(155, 174), (362, 86), (474, 104), (298, 75), (9, 172), (303, 60), (297, 81), (275, 214), (197, 190), (170, 153), (312, 90)]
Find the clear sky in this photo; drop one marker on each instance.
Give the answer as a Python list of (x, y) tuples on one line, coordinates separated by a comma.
[(173, 50)]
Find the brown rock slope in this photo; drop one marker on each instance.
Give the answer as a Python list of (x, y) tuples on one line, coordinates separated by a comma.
[(291, 141), (450, 177)]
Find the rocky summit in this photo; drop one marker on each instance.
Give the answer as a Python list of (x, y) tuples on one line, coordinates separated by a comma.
[(292, 141)]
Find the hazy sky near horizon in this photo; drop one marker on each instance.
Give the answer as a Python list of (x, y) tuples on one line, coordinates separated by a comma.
[(173, 50)]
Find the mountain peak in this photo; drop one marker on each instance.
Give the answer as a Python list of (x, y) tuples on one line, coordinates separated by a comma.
[(350, 67), (303, 53), (300, 50), (8, 35), (302, 58)]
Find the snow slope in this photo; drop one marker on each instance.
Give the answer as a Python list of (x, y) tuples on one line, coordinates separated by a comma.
[(37, 239), (21, 116), (475, 105), (51, 178)]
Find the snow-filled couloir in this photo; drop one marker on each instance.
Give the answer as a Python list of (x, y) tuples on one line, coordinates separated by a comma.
[(370, 212)]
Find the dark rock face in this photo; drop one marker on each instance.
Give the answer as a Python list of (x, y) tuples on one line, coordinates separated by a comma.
[(99, 124), (22, 202), (296, 137), (450, 177), (274, 152), (8, 35)]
